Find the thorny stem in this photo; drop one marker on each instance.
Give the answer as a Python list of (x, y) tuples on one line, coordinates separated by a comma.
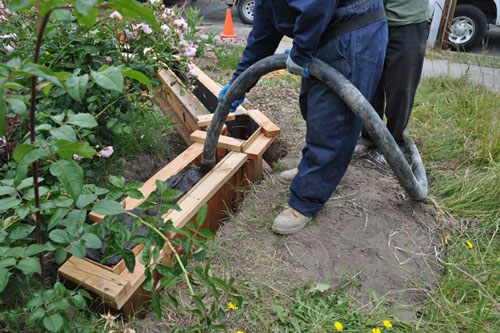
[(183, 7), (171, 249), (34, 166)]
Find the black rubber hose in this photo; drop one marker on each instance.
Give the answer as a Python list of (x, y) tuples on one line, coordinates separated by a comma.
[(413, 181)]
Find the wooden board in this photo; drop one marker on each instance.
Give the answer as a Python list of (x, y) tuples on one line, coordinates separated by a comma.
[(205, 80), (103, 283), (181, 101), (224, 141), (248, 142), (191, 202), (268, 127), (136, 280), (206, 86), (205, 120), (182, 128), (259, 146), (120, 266)]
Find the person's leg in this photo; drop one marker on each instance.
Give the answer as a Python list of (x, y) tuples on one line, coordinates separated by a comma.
[(332, 128), (406, 52)]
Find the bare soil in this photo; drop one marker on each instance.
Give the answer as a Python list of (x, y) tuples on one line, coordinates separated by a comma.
[(369, 228)]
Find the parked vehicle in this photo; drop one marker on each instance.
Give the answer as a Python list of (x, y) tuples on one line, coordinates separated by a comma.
[(470, 21), (245, 9)]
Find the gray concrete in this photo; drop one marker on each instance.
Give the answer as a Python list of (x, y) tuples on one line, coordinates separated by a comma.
[(490, 77)]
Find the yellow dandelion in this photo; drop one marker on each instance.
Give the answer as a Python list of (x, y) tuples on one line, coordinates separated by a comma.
[(470, 245), (232, 306), (387, 323), (48, 53), (240, 332), (338, 326), (446, 238), (376, 330)]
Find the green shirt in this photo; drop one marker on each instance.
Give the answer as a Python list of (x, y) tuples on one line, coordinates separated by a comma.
[(402, 12)]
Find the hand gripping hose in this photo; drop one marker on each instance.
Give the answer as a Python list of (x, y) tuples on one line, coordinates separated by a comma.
[(413, 181)]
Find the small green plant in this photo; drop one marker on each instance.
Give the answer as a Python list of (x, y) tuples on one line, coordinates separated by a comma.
[(320, 309)]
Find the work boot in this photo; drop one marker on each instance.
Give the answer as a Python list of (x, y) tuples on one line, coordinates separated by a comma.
[(289, 221), (286, 177), (363, 146)]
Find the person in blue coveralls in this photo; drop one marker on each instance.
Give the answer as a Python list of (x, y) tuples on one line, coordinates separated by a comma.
[(351, 36)]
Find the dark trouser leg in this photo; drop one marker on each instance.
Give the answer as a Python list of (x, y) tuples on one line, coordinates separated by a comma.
[(332, 129), (402, 71)]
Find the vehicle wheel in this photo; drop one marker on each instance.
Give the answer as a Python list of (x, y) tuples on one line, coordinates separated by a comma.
[(468, 27), (245, 10)]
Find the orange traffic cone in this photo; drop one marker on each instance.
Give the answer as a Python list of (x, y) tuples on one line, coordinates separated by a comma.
[(228, 26)]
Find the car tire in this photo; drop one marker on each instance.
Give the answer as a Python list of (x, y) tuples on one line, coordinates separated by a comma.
[(245, 10), (468, 27)]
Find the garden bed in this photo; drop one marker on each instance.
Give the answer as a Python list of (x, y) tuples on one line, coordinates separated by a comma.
[(239, 155)]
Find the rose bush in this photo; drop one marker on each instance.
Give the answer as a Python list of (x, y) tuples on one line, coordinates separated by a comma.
[(70, 72)]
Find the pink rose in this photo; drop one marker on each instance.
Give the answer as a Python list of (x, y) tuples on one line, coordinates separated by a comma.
[(8, 49), (130, 34), (190, 52), (165, 28), (180, 24), (106, 152), (146, 28), (192, 70), (117, 15)]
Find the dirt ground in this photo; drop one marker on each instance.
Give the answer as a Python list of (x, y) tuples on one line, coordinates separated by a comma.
[(369, 228), (369, 232)]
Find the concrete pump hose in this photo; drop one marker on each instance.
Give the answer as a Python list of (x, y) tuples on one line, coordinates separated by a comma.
[(413, 181)]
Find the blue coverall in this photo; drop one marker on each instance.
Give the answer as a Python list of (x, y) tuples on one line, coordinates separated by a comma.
[(332, 129)]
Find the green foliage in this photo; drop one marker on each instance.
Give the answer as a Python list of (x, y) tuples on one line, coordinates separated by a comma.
[(458, 124), (90, 74)]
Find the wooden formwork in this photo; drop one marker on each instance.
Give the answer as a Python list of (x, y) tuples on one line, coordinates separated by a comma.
[(217, 188), (239, 161)]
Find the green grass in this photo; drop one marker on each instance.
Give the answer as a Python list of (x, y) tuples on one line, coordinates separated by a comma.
[(465, 58), (457, 126)]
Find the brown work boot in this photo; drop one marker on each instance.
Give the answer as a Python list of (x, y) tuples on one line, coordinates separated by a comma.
[(289, 221), (286, 177)]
